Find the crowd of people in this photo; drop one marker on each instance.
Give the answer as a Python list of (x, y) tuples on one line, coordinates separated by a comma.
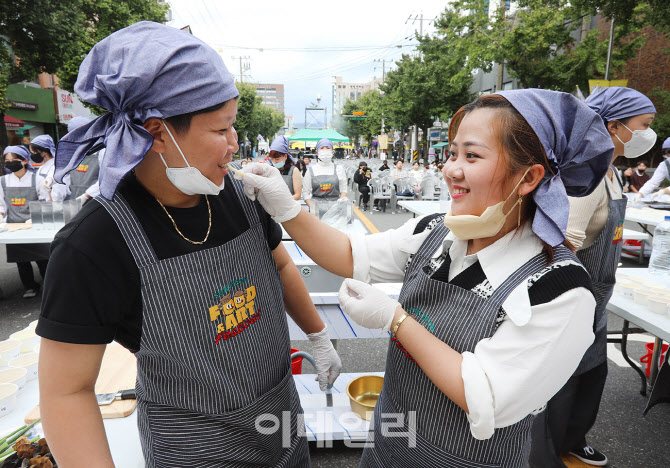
[(497, 349)]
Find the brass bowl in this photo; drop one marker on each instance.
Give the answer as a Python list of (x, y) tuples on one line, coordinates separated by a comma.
[(363, 394)]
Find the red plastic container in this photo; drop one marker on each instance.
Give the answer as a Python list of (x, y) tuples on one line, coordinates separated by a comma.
[(646, 359), (296, 363)]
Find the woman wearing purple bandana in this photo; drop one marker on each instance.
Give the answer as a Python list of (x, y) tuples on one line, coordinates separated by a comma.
[(18, 187), (496, 311), (177, 265)]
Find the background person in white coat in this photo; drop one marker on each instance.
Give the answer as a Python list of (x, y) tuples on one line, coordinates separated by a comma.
[(43, 150), (662, 172)]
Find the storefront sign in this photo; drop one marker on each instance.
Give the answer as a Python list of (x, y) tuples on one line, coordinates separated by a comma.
[(69, 106), (383, 141), (23, 105)]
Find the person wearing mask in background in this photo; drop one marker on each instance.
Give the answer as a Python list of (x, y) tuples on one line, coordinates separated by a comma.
[(178, 266), (18, 187), (361, 177), (661, 173), (42, 150), (384, 166), (638, 177), (84, 183), (595, 227), (281, 159), (324, 180), (495, 311)]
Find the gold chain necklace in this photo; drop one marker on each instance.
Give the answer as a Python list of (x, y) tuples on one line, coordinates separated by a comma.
[(209, 228)]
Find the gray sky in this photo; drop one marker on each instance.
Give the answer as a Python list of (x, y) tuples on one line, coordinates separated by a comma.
[(307, 31)]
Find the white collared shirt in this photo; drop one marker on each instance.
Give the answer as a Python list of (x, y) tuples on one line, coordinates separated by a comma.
[(535, 349), (59, 192), (660, 174)]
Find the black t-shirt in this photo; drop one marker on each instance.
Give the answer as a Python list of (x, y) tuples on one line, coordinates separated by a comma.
[(92, 287)]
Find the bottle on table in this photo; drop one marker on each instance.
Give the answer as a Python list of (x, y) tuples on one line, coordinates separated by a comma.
[(445, 198), (659, 263)]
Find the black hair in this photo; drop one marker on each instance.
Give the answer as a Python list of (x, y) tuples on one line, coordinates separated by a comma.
[(40, 149), (362, 163), (643, 162), (182, 122)]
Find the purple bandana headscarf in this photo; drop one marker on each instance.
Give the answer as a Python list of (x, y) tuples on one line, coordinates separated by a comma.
[(578, 148), (145, 70)]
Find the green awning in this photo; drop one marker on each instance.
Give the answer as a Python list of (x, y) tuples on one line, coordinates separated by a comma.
[(440, 144), (310, 134)]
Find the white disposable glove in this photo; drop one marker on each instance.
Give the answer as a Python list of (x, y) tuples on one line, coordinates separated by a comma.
[(658, 194), (82, 199), (366, 305), (264, 182), (328, 363), (47, 183), (3, 218), (636, 198)]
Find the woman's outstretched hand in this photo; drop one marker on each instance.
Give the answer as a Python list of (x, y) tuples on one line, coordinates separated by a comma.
[(366, 305)]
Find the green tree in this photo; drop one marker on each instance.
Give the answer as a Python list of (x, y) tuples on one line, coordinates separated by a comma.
[(351, 128), (540, 44), (422, 88), (100, 19), (655, 13), (661, 124), (35, 37), (246, 105)]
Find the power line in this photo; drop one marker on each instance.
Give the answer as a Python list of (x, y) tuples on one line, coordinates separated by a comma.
[(317, 49)]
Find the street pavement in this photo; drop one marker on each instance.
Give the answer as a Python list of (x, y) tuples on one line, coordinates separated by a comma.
[(629, 439)]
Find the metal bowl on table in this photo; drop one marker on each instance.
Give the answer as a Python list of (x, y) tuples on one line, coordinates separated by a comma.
[(363, 394)]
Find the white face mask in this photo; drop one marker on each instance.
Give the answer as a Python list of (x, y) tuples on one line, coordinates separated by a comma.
[(488, 224), (641, 142), (325, 156), (189, 180)]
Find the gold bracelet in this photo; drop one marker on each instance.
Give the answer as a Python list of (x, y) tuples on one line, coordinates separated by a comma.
[(397, 325)]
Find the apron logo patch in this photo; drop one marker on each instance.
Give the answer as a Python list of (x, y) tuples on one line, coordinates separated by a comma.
[(402, 349), (18, 201), (82, 168), (618, 233), (235, 311), (422, 316), (326, 187)]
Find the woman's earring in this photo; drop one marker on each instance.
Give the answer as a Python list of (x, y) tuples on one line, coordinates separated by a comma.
[(519, 202)]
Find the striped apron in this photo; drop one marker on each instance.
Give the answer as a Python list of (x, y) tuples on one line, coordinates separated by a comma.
[(18, 211), (601, 260), (325, 186), (214, 384), (460, 318), (85, 175)]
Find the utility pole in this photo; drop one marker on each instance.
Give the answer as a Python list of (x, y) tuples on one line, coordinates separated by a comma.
[(243, 67), (383, 62), (420, 19), (609, 51)]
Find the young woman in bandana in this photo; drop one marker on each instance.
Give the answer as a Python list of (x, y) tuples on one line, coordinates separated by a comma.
[(495, 312)]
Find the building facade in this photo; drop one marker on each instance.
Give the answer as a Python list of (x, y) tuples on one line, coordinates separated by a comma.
[(272, 94), (342, 91)]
